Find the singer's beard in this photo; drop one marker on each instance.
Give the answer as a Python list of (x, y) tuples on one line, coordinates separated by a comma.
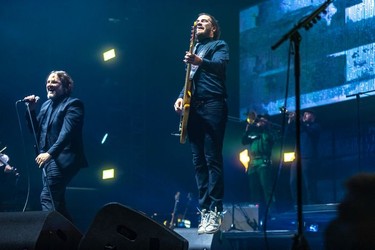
[(54, 94), (51, 95), (56, 98)]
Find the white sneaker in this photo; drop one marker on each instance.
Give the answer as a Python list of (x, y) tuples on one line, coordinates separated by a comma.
[(213, 222), (203, 223)]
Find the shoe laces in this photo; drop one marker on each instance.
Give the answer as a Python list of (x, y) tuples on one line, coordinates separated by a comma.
[(214, 218), (204, 215)]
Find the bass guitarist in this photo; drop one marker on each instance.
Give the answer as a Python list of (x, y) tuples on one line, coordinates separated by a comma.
[(207, 117)]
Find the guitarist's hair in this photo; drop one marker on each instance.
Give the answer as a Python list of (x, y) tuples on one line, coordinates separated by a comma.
[(215, 23)]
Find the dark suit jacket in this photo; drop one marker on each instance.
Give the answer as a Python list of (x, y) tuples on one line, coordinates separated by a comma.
[(64, 132)]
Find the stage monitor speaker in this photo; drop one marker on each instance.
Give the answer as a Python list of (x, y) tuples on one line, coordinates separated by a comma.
[(37, 230), (203, 241), (240, 216), (119, 227)]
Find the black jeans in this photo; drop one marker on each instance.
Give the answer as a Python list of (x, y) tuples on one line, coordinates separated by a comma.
[(58, 179), (206, 129)]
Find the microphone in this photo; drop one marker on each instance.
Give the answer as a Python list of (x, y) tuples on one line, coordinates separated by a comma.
[(36, 98)]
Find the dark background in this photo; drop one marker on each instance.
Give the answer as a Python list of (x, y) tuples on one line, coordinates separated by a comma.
[(131, 98)]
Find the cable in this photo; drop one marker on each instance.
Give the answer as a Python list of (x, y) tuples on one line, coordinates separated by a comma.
[(251, 222), (37, 148), (291, 51), (27, 165)]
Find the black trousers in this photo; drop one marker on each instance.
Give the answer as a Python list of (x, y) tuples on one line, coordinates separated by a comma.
[(206, 129), (56, 180)]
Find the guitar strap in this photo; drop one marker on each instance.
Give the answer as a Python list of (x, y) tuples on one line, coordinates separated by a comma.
[(202, 52)]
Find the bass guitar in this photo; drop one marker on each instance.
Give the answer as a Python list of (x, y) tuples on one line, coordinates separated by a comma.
[(187, 91)]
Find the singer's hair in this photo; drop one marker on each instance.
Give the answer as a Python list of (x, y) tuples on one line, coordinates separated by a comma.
[(66, 80), (215, 23)]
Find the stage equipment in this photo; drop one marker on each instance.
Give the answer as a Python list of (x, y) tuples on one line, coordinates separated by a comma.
[(37, 230), (241, 217), (120, 227), (295, 39)]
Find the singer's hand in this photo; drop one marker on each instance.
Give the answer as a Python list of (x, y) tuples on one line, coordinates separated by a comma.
[(192, 58), (42, 158), (32, 101), (178, 105)]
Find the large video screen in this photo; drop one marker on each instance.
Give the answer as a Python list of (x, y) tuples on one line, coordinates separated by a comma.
[(337, 54)]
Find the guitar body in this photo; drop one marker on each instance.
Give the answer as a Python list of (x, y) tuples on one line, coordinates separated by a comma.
[(187, 92), (185, 118)]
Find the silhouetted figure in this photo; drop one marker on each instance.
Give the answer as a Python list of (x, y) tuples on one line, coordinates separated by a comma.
[(354, 227)]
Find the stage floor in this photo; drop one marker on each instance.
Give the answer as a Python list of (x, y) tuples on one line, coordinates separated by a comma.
[(256, 240), (281, 232), (271, 239)]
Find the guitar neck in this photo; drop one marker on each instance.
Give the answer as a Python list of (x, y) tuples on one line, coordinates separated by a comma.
[(187, 93)]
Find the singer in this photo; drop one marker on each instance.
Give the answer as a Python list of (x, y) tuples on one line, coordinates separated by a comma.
[(58, 128)]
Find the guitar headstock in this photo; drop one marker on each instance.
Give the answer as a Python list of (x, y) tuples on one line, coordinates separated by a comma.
[(193, 33), (189, 196), (177, 196)]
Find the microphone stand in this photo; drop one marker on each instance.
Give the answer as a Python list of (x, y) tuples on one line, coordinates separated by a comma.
[(295, 38), (45, 177), (233, 226)]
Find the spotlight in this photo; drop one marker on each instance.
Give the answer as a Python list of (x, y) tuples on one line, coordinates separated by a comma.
[(109, 54), (245, 159), (289, 156), (108, 174)]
